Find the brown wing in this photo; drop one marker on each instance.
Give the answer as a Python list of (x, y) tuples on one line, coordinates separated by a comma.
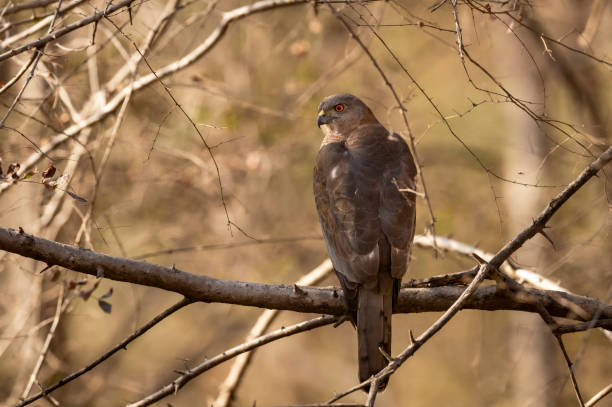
[(356, 194), (397, 208), (348, 215)]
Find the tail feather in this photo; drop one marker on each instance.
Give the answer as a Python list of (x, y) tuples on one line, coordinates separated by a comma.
[(375, 308)]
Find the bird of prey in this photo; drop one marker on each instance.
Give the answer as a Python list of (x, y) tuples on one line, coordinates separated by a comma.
[(364, 183)]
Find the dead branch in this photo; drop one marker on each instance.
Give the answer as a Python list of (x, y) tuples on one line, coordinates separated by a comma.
[(232, 381), (521, 294), (187, 376), (47, 343), (599, 396), (65, 30), (140, 82), (280, 296), (122, 345)]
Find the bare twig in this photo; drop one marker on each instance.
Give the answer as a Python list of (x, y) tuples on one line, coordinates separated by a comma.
[(25, 6), (458, 278), (19, 74), (162, 22), (599, 396), (457, 28), (141, 82), (219, 246), (46, 344), (232, 381), (187, 376), (39, 26), (583, 326), (492, 266), (122, 345), (39, 54), (65, 30), (568, 361)]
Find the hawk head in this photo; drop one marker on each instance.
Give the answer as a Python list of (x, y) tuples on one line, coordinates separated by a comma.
[(340, 114)]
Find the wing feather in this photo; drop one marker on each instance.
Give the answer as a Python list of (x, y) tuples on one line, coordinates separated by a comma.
[(356, 193)]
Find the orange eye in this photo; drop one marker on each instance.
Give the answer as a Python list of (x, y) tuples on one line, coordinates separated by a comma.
[(339, 108)]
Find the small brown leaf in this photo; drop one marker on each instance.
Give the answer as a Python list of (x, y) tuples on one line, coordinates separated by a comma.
[(85, 294), (49, 172), (108, 294), (106, 307), (12, 170)]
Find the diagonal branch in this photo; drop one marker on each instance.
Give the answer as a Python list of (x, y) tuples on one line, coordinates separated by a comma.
[(143, 81), (232, 381), (492, 267), (599, 396), (187, 376), (122, 345), (44, 40)]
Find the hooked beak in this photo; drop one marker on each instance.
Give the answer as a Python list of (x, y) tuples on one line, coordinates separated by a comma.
[(322, 119)]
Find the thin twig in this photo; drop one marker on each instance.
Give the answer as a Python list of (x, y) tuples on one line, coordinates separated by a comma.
[(457, 29), (238, 369), (571, 370), (39, 54), (19, 74), (42, 41), (599, 396), (228, 18), (46, 344), (190, 374), (122, 345), (398, 100), (25, 6), (502, 255), (220, 246), (584, 326)]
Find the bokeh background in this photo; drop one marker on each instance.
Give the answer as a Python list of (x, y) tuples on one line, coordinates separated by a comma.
[(254, 98)]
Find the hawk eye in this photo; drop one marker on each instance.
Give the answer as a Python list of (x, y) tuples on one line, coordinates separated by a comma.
[(339, 108)]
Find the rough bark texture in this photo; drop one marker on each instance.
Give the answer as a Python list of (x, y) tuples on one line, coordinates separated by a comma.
[(280, 296)]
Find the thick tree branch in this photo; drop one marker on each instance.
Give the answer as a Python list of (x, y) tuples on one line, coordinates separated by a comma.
[(281, 296)]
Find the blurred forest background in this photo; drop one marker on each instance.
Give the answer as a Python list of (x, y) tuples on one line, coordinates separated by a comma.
[(152, 188)]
